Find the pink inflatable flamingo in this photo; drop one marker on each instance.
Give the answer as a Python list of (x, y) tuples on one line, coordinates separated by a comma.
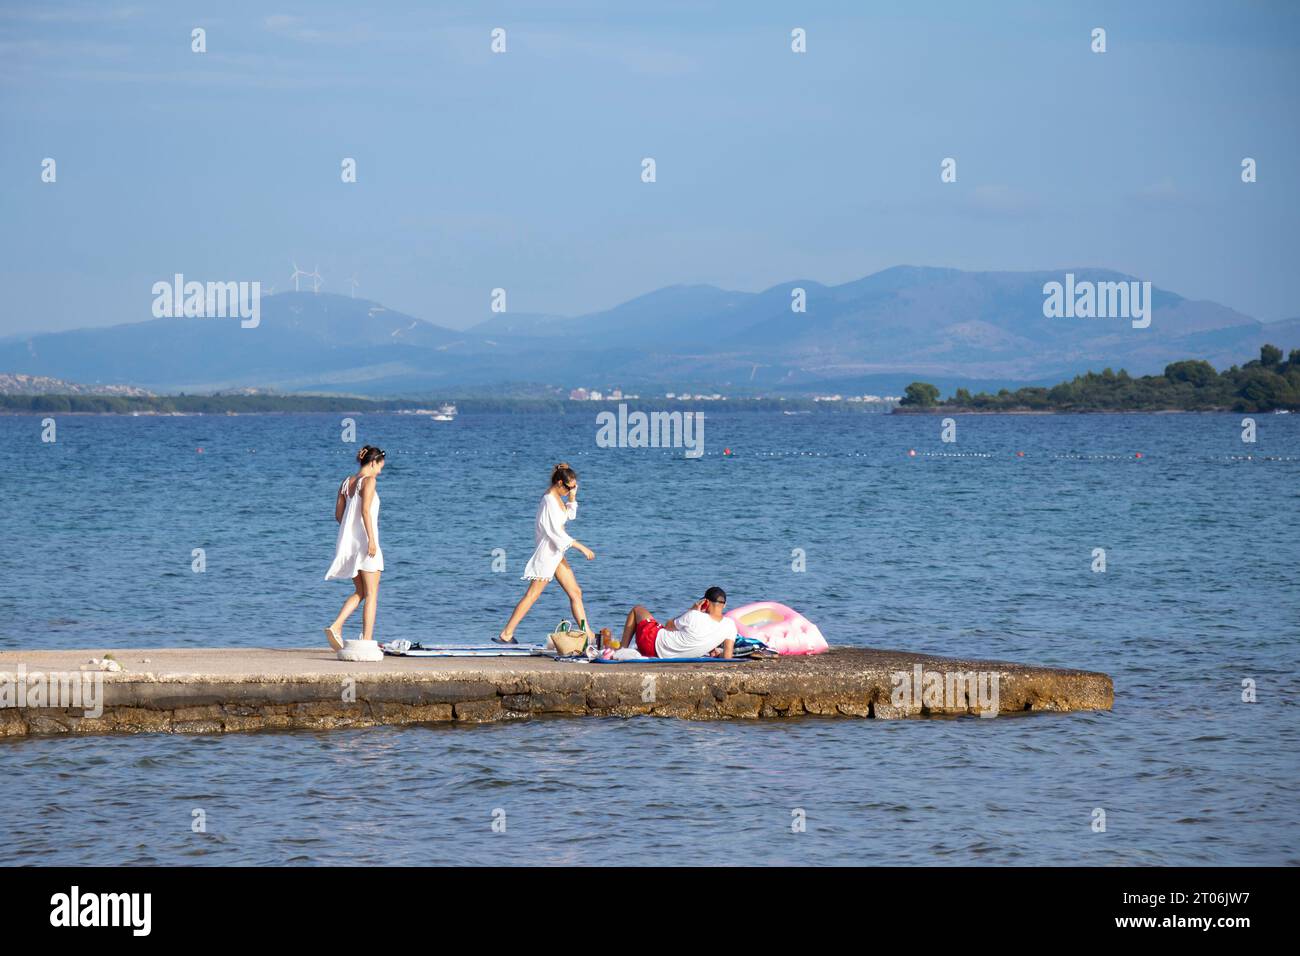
[(783, 629)]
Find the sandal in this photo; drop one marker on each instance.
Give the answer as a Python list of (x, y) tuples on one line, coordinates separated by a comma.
[(336, 640)]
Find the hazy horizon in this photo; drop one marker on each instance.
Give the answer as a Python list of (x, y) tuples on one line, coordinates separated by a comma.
[(306, 290)]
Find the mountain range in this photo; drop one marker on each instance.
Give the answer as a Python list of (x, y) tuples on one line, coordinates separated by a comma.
[(950, 327)]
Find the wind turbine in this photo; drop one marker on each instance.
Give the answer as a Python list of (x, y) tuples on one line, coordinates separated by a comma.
[(315, 280), (354, 283), (296, 273)]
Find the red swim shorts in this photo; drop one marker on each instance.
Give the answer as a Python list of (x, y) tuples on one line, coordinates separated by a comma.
[(647, 630)]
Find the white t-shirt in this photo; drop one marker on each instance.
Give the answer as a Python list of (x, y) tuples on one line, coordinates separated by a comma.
[(696, 635)]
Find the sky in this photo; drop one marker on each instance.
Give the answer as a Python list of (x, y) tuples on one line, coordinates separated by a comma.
[(522, 170)]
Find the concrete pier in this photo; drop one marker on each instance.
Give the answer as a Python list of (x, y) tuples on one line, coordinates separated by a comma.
[(198, 690)]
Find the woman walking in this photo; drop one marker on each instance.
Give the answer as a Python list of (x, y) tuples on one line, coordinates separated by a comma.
[(357, 556), (548, 560)]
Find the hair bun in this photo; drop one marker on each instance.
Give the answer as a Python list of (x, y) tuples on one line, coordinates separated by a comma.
[(564, 465), (361, 455)]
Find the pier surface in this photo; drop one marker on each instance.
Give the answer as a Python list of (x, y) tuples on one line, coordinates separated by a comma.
[(199, 690)]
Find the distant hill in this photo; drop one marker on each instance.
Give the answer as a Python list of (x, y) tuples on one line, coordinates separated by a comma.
[(979, 330), (43, 385)]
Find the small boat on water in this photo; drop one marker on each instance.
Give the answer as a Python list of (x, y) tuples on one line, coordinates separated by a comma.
[(443, 413), (1281, 411)]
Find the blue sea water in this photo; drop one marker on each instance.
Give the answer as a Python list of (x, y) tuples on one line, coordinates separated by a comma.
[(963, 549)]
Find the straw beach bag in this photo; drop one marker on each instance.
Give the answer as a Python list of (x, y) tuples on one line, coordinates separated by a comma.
[(566, 641)]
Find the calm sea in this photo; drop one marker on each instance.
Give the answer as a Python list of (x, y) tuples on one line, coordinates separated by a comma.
[(965, 549)]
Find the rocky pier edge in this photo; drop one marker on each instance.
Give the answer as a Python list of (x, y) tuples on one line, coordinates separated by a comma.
[(209, 691)]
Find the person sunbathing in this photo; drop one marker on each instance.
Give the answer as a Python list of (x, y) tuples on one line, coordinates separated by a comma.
[(701, 631)]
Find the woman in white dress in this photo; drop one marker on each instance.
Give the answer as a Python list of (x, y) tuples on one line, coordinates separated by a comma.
[(357, 556), (548, 560)]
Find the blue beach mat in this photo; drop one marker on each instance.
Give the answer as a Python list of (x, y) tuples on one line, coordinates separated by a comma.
[(400, 649), (464, 650), (676, 660)]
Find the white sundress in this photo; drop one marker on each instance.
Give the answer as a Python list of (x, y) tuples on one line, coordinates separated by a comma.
[(350, 551), (552, 539)]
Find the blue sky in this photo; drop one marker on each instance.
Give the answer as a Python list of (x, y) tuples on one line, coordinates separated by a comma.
[(522, 170)]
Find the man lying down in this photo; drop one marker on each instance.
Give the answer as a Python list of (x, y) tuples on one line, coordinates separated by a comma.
[(701, 631)]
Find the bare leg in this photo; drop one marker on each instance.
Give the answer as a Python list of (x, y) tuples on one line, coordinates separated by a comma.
[(564, 574), (370, 579), (634, 617), (350, 605), (525, 604)]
